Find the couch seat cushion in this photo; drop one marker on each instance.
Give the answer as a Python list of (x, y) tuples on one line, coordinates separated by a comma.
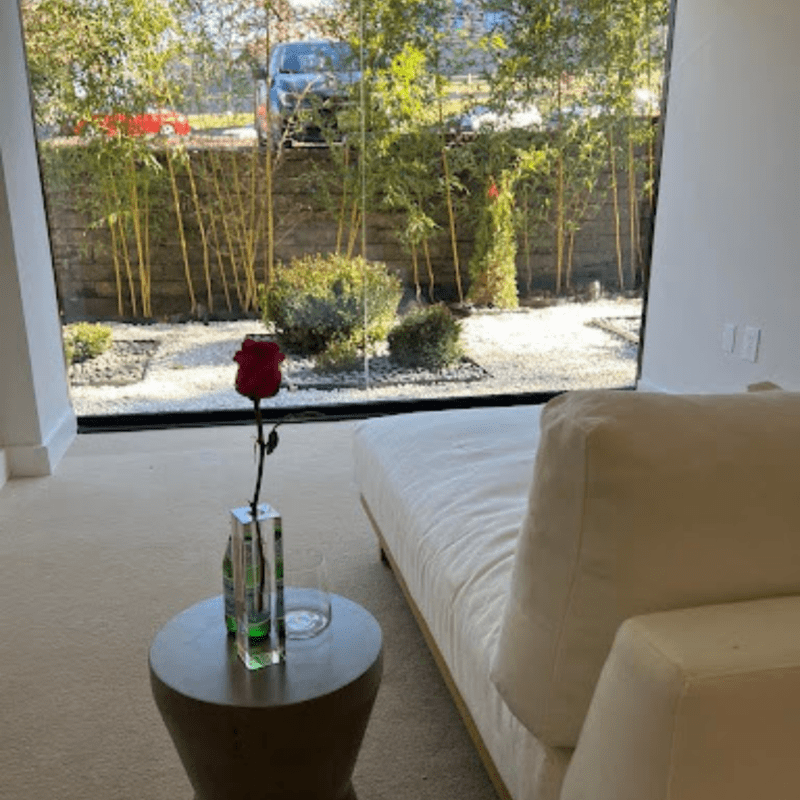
[(448, 490)]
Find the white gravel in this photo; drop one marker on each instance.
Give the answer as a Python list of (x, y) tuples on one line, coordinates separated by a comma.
[(523, 351)]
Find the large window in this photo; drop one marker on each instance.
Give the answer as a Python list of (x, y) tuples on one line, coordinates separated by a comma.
[(445, 199)]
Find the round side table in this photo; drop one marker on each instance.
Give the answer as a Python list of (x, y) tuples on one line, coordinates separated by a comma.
[(290, 731)]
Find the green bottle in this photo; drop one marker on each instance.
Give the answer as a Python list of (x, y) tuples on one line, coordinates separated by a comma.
[(259, 614)]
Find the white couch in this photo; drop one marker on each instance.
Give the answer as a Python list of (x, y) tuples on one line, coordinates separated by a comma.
[(610, 585)]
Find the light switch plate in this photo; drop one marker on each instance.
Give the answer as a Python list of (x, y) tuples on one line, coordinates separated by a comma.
[(728, 337), (750, 343)]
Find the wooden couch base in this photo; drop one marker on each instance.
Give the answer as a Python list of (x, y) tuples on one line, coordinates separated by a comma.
[(469, 722)]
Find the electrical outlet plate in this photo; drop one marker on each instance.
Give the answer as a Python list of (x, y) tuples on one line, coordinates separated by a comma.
[(750, 343)]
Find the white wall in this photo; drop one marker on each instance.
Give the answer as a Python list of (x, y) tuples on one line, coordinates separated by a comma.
[(37, 422), (727, 244)]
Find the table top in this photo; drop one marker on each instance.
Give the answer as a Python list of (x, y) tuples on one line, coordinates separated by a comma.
[(195, 656)]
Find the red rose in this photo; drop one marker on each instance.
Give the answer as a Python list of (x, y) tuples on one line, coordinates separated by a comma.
[(259, 374)]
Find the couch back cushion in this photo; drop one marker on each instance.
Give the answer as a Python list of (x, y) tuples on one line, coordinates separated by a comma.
[(639, 503)]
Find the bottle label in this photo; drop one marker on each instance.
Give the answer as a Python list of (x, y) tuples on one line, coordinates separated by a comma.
[(259, 621)]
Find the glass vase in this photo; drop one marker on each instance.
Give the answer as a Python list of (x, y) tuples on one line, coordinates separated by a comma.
[(253, 583)]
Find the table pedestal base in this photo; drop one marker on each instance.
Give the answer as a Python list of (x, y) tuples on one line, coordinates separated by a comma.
[(291, 731)]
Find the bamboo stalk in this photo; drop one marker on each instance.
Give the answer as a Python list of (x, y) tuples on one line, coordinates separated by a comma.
[(570, 253), (415, 268), (343, 204), (110, 222), (526, 241), (244, 233), (355, 219), (221, 264), (122, 238), (228, 235), (614, 195), (237, 208), (117, 272), (202, 228), (148, 262), (215, 235), (182, 235), (632, 209), (268, 166), (431, 279), (559, 219), (452, 222), (137, 234), (253, 228), (270, 207), (559, 191), (451, 217)]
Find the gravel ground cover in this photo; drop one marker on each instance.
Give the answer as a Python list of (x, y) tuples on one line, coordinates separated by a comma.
[(190, 367)]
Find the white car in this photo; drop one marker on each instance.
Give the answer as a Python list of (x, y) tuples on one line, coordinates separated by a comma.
[(481, 118), (645, 103)]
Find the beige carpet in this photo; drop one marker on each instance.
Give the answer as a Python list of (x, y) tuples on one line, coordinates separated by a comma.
[(128, 532)]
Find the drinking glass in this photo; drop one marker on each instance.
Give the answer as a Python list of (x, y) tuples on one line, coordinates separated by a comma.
[(307, 599)]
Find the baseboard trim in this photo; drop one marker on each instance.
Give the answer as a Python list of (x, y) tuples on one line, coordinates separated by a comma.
[(38, 460), (644, 385)]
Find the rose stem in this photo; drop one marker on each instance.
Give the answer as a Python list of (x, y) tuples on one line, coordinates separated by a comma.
[(262, 446), (279, 612)]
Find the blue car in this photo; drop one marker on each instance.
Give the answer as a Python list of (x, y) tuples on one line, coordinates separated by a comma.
[(305, 86)]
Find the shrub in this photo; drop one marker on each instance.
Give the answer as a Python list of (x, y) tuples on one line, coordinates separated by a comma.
[(492, 268), (316, 301), (427, 338), (340, 355), (85, 340)]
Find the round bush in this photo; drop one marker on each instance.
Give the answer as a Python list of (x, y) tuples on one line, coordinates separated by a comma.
[(428, 339), (85, 340), (318, 300), (340, 355)]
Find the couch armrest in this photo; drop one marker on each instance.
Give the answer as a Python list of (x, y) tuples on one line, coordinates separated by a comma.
[(696, 704)]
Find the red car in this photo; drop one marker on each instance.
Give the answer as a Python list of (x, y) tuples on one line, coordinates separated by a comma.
[(162, 121)]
